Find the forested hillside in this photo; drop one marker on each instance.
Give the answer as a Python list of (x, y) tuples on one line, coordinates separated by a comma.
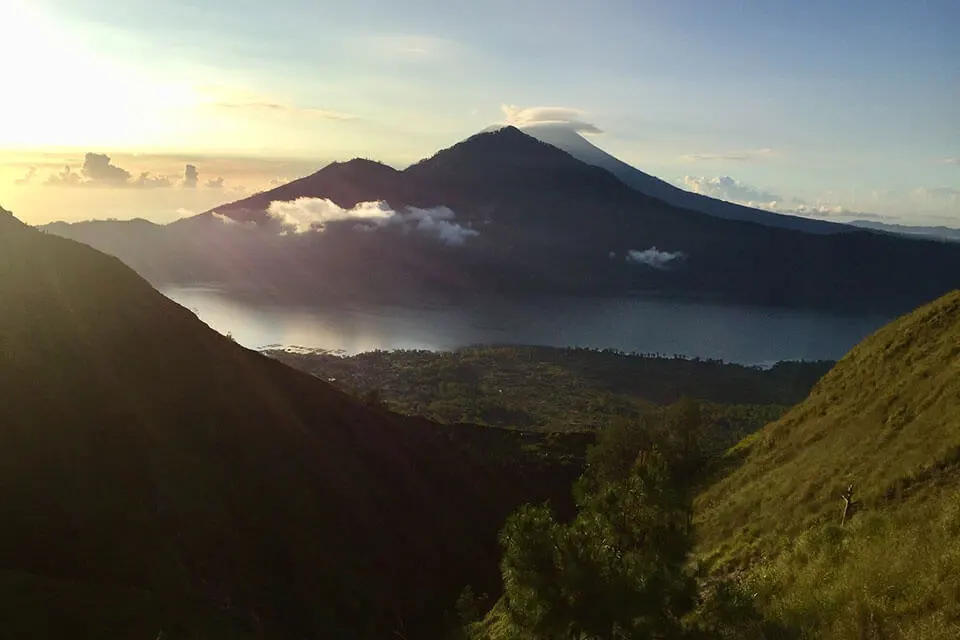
[(557, 390)]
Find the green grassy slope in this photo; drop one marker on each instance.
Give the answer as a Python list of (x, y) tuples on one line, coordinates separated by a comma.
[(156, 476), (886, 419)]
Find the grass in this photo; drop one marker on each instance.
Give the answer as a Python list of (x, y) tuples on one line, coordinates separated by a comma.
[(886, 419), (890, 574)]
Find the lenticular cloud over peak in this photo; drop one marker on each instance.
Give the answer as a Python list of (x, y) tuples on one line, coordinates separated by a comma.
[(554, 117)]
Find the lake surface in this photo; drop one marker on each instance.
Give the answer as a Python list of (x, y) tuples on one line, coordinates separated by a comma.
[(750, 335)]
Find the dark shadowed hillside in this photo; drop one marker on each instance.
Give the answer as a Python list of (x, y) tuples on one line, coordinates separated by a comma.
[(155, 476)]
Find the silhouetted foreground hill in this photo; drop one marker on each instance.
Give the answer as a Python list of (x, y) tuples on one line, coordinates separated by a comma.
[(886, 421), (155, 476), (504, 212)]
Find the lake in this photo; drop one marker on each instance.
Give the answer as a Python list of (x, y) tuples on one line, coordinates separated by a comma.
[(745, 334)]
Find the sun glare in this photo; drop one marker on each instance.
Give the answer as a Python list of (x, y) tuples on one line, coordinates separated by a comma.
[(58, 94)]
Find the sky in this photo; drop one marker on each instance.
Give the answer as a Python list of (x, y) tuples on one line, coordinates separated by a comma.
[(829, 109)]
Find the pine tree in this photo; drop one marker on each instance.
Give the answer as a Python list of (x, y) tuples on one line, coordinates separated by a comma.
[(615, 572)]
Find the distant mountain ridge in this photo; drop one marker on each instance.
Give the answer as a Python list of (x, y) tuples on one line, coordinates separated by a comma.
[(934, 232), (338, 181), (504, 212)]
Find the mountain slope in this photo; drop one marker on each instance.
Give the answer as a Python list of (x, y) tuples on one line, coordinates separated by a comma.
[(156, 476), (885, 420), (345, 183), (580, 148)]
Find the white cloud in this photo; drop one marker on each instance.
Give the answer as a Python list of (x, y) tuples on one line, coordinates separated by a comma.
[(66, 178), (726, 188), (818, 210), (99, 171), (435, 222), (748, 155), (563, 117), (214, 183), (147, 181), (311, 214), (225, 220), (306, 214), (951, 161), (27, 178), (190, 177), (731, 190), (653, 257)]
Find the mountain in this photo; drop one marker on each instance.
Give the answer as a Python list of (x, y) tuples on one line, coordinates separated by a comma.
[(158, 480), (580, 148), (938, 232), (345, 183), (886, 422), (504, 212)]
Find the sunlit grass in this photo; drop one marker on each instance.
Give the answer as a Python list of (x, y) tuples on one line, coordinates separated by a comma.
[(890, 574), (886, 420)]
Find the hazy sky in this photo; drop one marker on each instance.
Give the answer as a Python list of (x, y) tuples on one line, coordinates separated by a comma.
[(851, 105)]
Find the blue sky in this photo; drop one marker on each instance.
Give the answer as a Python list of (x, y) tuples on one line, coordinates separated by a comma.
[(848, 105)]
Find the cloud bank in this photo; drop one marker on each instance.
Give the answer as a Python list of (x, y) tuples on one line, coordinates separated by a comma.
[(312, 214), (726, 188), (98, 170), (561, 117), (308, 214), (27, 178), (147, 181), (731, 190), (227, 221), (66, 178), (190, 177), (653, 257)]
